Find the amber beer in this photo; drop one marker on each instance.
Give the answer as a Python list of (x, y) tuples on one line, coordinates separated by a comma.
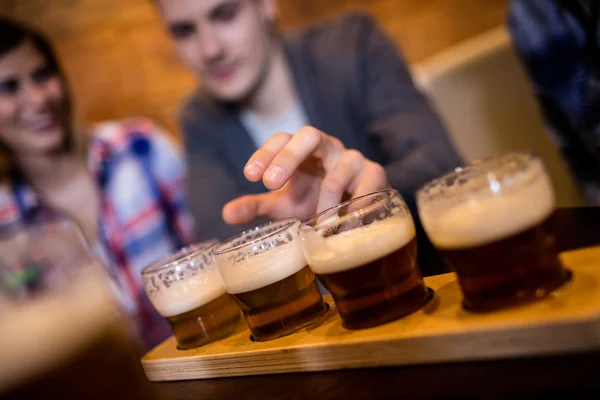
[(70, 345), (266, 273), (368, 265), (187, 290), (501, 242)]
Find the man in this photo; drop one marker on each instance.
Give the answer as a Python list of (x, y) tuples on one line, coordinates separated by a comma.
[(559, 44), (344, 78)]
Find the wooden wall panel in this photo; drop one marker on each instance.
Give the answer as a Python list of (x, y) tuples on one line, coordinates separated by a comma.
[(121, 62)]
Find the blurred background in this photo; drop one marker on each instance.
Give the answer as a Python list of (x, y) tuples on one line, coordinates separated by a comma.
[(121, 62)]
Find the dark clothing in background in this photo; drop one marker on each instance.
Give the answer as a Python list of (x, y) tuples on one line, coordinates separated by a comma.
[(353, 85), (559, 44)]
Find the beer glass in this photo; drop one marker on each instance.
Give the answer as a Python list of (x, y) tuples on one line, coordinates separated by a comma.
[(364, 252), (186, 289), (492, 221), (266, 273), (62, 332)]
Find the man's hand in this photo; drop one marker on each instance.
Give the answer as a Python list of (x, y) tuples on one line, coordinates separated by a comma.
[(307, 172)]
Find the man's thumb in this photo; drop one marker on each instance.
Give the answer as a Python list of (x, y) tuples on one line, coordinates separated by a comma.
[(246, 209)]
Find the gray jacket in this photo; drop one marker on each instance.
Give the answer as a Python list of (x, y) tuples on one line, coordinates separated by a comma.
[(353, 85)]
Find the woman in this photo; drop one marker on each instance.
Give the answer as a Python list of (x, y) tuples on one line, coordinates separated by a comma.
[(121, 182)]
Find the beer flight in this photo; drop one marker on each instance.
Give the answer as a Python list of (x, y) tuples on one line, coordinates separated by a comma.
[(491, 221)]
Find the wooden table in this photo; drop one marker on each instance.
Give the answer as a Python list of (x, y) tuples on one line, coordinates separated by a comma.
[(564, 375)]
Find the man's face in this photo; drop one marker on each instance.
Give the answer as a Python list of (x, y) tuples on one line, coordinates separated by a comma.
[(227, 42)]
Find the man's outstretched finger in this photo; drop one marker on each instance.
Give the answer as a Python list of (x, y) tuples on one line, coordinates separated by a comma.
[(295, 152), (340, 179), (260, 160), (308, 144), (371, 179)]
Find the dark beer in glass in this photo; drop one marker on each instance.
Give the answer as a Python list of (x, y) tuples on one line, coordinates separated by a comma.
[(365, 253), (493, 222), (265, 271)]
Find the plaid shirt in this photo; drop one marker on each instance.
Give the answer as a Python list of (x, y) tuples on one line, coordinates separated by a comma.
[(559, 43), (141, 176)]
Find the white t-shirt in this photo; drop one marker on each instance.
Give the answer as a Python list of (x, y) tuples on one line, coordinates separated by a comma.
[(261, 129)]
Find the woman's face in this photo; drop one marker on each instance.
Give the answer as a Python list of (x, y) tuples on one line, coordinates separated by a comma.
[(33, 107)]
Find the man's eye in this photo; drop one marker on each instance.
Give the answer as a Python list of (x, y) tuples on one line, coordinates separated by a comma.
[(226, 12), (182, 30)]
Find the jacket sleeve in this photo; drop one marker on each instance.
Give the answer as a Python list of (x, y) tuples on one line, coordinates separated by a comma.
[(415, 145)]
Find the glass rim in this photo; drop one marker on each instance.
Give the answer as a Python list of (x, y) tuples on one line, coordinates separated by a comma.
[(286, 224), (347, 202), (423, 190), (41, 227), (38, 226), (178, 256)]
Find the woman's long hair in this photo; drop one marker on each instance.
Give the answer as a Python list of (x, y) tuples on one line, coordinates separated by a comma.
[(12, 35)]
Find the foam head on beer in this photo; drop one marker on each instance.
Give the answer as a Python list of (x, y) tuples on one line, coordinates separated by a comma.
[(265, 271), (493, 223), (364, 252), (359, 246), (499, 203), (184, 280), (188, 291), (261, 257)]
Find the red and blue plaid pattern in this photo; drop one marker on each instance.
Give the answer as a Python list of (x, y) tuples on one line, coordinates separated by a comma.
[(141, 178)]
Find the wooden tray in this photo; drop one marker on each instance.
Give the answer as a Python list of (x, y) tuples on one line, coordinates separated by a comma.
[(568, 321)]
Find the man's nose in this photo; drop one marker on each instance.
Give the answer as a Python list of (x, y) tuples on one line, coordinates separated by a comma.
[(210, 45)]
